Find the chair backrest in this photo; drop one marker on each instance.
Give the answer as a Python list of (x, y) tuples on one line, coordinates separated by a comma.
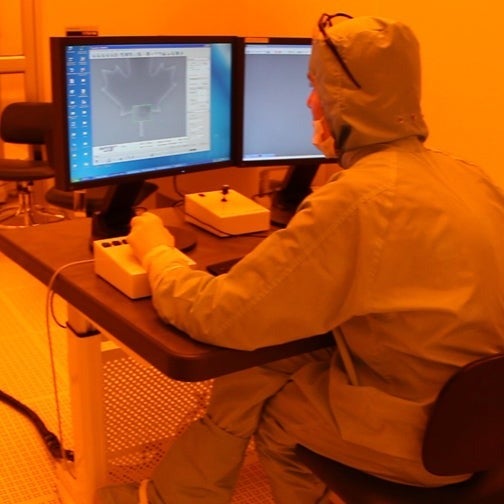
[(26, 122), (465, 432)]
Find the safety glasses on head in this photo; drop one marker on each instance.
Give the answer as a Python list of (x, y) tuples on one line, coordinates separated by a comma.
[(324, 21)]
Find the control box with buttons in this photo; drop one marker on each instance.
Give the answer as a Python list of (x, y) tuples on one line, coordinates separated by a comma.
[(116, 263)]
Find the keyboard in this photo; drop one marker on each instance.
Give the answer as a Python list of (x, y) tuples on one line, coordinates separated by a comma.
[(222, 267)]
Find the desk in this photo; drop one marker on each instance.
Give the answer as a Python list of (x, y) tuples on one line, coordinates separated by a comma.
[(94, 304)]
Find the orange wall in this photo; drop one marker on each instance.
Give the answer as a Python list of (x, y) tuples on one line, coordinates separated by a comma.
[(10, 43), (463, 73)]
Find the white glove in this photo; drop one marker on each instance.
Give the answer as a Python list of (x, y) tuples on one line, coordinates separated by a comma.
[(148, 232)]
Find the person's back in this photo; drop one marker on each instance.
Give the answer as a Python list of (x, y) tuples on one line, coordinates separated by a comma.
[(437, 295), (427, 288)]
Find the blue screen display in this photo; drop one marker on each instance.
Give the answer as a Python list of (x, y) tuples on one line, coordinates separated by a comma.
[(145, 108)]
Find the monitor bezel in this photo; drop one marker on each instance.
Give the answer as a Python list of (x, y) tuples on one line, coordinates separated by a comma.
[(240, 107), (61, 154)]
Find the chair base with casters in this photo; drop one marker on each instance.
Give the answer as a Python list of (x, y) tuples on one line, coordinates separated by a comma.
[(26, 213), (464, 435)]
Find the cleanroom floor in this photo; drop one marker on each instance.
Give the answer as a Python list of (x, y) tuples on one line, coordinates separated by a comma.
[(26, 469)]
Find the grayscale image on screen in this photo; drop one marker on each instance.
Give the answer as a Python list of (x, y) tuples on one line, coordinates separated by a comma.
[(138, 99)]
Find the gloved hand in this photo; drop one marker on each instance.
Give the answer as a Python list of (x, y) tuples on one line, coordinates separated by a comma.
[(148, 232)]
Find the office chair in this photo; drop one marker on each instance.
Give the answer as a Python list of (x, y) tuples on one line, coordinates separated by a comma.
[(26, 123), (464, 434)]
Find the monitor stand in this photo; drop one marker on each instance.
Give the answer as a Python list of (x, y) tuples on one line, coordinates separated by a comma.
[(119, 208), (296, 186)]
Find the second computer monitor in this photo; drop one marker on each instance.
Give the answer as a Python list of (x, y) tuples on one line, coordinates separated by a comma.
[(276, 123)]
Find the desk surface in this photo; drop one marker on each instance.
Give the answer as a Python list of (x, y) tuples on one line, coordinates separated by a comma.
[(42, 250)]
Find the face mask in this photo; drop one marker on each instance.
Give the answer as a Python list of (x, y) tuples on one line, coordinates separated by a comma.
[(325, 143)]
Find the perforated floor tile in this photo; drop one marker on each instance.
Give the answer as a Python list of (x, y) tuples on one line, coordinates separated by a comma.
[(26, 468)]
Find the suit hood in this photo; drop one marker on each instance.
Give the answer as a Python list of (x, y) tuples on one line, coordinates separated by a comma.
[(383, 56)]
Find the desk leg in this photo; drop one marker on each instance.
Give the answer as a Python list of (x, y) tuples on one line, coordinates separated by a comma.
[(78, 480)]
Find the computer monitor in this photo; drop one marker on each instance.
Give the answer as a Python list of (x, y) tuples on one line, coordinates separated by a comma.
[(275, 123), (131, 108)]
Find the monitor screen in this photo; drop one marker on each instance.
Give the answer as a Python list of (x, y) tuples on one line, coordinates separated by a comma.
[(276, 123), (138, 107)]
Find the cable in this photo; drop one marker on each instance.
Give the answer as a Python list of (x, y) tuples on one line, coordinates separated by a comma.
[(175, 187), (50, 311), (53, 314), (50, 439)]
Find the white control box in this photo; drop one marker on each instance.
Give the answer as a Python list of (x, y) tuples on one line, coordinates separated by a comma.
[(116, 263), (226, 213)]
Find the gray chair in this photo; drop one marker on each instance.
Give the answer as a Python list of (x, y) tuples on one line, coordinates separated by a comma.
[(27, 123), (465, 434)]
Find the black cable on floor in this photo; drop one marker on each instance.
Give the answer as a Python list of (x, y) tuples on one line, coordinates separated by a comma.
[(49, 438)]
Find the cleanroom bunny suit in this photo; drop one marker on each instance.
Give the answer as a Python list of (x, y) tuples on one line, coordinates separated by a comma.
[(401, 255)]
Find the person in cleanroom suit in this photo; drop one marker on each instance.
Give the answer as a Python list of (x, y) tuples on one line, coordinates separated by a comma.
[(400, 255)]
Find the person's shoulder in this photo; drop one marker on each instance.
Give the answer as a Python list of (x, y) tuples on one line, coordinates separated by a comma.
[(468, 167), (359, 185), (372, 173)]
